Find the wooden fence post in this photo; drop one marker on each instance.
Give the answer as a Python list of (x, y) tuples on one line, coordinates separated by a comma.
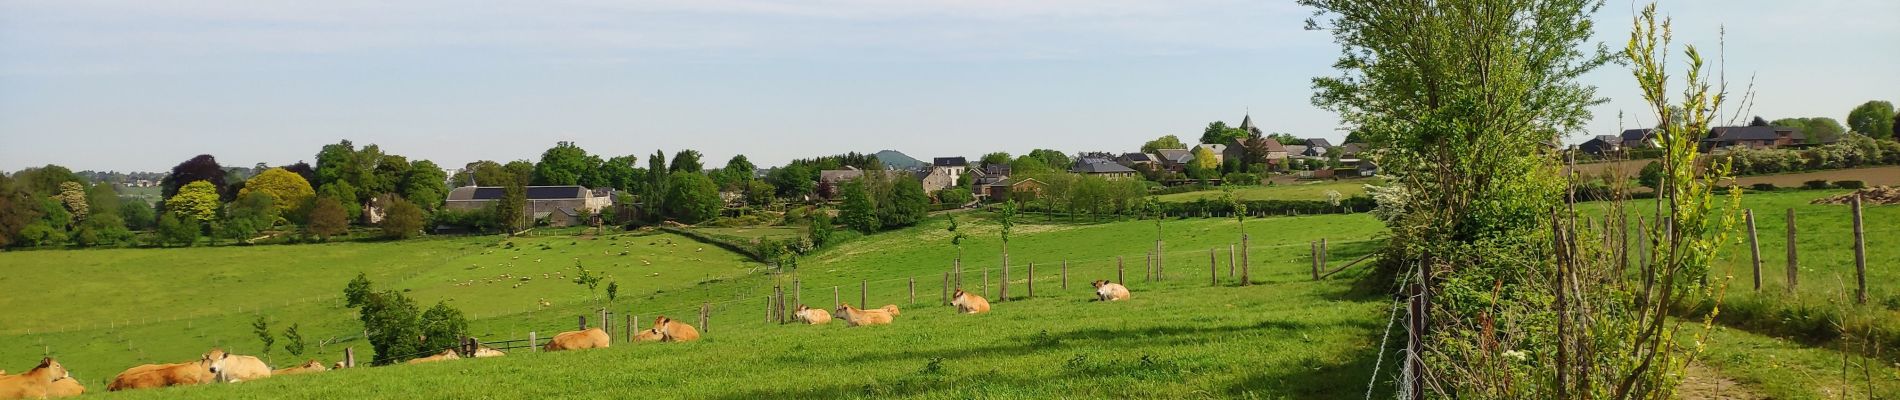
[(986, 282), (1754, 246), (768, 309), (944, 295), (1793, 259), (1246, 264), (1003, 289), (1230, 260), (1213, 268), (533, 343), (349, 357), (1119, 278), (798, 291), (630, 329), (1860, 254), (1149, 276), (913, 291), (705, 317), (1324, 254), (1031, 283), (864, 293), (1312, 263), (1065, 274), (835, 301), (583, 322), (604, 325)]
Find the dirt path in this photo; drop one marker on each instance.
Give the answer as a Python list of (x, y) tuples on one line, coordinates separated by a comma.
[(1702, 382)]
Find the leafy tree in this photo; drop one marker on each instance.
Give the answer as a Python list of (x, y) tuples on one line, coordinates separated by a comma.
[(357, 291), (512, 208), (1650, 176), (345, 195), (521, 170), (401, 218), (337, 163), (293, 341), (425, 185), (261, 328), (101, 229), (1165, 142), (686, 161), (692, 198), (45, 181), (1288, 138), (1204, 165), (303, 169), (327, 219), (1758, 121), (956, 237), (1218, 132), (251, 213), (442, 327), (613, 291), (996, 158), (391, 318), (821, 227), (1422, 79), (736, 174), (655, 196), (17, 210), (138, 215), (386, 176), (1817, 129), (955, 195), (288, 191), (621, 172), (1872, 118), (585, 277), (204, 168), (909, 203), (758, 193), (1052, 158), (72, 196), (858, 211), (794, 180), (197, 202), (177, 231), (1027, 165), (564, 165)]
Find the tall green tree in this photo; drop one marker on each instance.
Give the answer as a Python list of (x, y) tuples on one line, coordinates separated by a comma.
[(289, 192), (196, 202), (425, 184), (1817, 129), (654, 198), (1165, 142), (996, 158), (858, 211), (512, 208), (252, 213), (622, 173), (327, 219), (1218, 132), (1428, 81), (442, 327), (686, 161), (1872, 118), (401, 218), (564, 164), (177, 231), (692, 198), (1052, 158), (522, 170), (909, 203)]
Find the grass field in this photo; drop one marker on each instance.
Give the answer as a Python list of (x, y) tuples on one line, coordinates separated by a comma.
[(1287, 337), (1313, 190), (775, 232)]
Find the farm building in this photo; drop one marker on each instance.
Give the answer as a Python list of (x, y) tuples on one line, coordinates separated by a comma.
[(559, 205)]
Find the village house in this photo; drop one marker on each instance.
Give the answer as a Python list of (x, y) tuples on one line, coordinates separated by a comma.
[(1602, 145), (1174, 159), (943, 173), (1103, 168), (1753, 137), (1136, 160), (1644, 138), (559, 205)]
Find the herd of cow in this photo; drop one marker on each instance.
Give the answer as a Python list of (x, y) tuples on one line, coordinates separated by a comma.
[(51, 380)]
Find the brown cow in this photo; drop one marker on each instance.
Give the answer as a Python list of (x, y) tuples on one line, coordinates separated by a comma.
[(592, 338), (671, 330), (969, 303), (68, 387), (204, 370), (307, 367), (648, 335), (813, 316), (855, 317), (1109, 291), (445, 355), (239, 368), (41, 382), (485, 352)]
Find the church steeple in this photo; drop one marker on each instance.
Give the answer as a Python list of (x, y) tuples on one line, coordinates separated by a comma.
[(1246, 123)]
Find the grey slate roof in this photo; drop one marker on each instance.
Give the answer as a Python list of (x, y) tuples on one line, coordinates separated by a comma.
[(1318, 142), (1099, 167), (533, 193), (1733, 133), (1174, 155), (949, 162), (1637, 135)]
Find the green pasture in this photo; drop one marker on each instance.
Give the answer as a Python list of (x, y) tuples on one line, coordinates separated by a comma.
[(1313, 190)]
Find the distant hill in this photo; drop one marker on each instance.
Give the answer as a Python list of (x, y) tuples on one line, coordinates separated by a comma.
[(894, 159)]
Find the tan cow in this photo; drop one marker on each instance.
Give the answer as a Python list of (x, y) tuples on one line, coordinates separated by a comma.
[(812, 316), (648, 335), (592, 338), (68, 387), (43, 381), (239, 368), (486, 352), (204, 370), (445, 355), (307, 367), (969, 303), (855, 317), (1109, 291), (671, 330)]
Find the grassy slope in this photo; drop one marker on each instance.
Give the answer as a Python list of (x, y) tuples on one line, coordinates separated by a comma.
[(179, 302), (1297, 191)]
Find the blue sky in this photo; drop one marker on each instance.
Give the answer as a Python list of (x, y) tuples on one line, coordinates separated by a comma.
[(142, 85)]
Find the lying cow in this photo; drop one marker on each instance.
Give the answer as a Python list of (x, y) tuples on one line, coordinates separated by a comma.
[(648, 335), (445, 355), (856, 317), (969, 303), (43, 381), (204, 370), (307, 367), (672, 330), (1109, 291), (812, 316), (486, 352), (592, 338), (239, 368)]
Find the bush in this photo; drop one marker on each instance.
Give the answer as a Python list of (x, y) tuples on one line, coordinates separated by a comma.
[(1763, 187), (1849, 184), (1814, 184), (401, 219), (478, 220), (1241, 179), (175, 231)]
